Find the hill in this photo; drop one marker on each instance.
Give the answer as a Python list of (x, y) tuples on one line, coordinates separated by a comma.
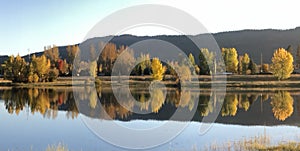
[(253, 42)]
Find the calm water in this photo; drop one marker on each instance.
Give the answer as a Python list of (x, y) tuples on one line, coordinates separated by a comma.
[(32, 119)]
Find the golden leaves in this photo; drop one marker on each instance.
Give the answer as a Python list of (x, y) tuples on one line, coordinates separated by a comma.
[(282, 64)]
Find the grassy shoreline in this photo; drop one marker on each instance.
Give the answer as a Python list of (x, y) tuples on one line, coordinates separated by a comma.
[(231, 81), (259, 143)]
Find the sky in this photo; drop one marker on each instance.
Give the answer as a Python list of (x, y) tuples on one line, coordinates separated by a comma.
[(28, 26)]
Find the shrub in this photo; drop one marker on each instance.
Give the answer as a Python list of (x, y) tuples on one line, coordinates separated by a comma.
[(35, 78), (53, 74)]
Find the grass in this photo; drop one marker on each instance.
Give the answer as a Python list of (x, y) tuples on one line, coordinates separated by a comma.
[(204, 81), (59, 147), (259, 143)]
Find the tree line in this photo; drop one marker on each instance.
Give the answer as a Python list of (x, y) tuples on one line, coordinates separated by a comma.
[(50, 65)]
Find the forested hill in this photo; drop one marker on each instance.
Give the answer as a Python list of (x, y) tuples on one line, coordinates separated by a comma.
[(253, 42)]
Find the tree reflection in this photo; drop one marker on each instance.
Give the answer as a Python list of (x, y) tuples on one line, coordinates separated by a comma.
[(205, 105), (102, 103), (229, 107), (244, 102), (113, 108), (157, 99), (44, 101), (282, 105)]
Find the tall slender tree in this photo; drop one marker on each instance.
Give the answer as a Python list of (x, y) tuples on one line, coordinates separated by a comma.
[(158, 69)]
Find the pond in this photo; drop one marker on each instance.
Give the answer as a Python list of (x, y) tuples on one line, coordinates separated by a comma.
[(84, 118)]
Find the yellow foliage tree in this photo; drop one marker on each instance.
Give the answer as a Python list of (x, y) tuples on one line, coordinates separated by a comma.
[(15, 68), (282, 64), (158, 69), (245, 63), (230, 59), (41, 65)]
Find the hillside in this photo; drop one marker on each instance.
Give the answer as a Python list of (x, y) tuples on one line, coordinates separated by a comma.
[(253, 42)]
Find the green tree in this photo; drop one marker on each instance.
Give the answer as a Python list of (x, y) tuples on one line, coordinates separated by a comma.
[(158, 69), (205, 105), (252, 67), (144, 62), (206, 60), (52, 75), (230, 59), (282, 64), (289, 49)]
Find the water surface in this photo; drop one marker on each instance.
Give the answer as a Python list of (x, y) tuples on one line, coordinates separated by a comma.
[(32, 119)]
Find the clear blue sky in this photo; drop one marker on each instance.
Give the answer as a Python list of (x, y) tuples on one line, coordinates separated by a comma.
[(33, 24)]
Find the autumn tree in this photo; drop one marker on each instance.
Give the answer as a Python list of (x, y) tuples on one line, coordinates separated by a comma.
[(230, 59), (158, 69), (245, 63), (181, 72), (63, 66), (41, 66), (192, 59), (73, 51), (125, 62), (265, 68), (52, 53), (108, 56), (15, 69), (240, 67), (282, 105), (282, 64)]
